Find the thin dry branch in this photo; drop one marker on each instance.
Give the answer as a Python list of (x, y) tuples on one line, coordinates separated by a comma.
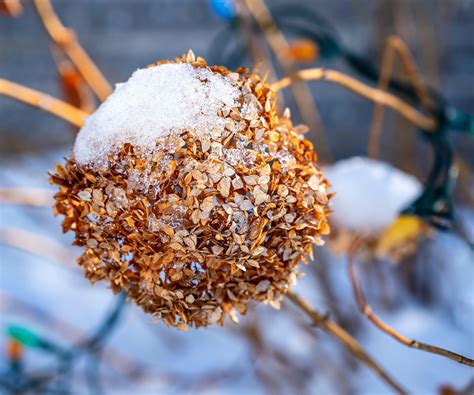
[(36, 244), (11, 7), (280, 47), (373, 94), (67, 41), (37, 197), (43, 101), (334, 330), (367, 311), (395, 45), (75, 89)]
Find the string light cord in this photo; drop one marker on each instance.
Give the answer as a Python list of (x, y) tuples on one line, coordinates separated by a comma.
[(66, 357)]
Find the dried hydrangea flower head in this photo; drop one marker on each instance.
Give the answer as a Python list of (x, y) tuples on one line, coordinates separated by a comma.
[(187, 191)]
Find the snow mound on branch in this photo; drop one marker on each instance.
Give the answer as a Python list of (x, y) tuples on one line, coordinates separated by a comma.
[(369, 194), (154, 103)]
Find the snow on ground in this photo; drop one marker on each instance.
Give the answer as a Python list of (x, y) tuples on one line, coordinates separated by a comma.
[(318, 361)]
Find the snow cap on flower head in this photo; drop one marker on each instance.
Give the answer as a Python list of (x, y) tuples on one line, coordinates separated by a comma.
[(188, 191)]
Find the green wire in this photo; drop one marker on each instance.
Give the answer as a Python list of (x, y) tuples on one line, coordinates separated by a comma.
[(24, 336)]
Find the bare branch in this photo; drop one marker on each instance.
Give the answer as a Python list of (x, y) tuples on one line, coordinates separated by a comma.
[(67, 41), (37, 197), (43, 101), (33, 243), (280, 47), (394, 45), (334, 330), (376, 95), (11, 7), (367, 311)]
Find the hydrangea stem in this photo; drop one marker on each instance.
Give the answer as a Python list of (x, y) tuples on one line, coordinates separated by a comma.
[(43, 101), (376, 95), (367, 311), (301, 93), (340, 334), (66, 40), (27, 196), (394, 46)]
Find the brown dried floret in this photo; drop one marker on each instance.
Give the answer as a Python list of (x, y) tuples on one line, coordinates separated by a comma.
[(194, 233)]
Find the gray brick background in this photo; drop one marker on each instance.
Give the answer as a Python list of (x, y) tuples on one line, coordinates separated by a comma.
[(122, 35)]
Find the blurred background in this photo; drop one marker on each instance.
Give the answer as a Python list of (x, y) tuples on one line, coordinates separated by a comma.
[(427, 295)]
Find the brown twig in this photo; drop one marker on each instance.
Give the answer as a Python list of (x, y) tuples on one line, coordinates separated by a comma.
[(280, 47), (373, 94), (259, 50), (67, 41), (75, 89), (367, 311), (334, 330), (43, 101), (11, 7), (33, 243), (394, 45), (37, 197)]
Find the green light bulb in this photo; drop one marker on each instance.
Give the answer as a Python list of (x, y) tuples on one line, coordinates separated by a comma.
[(23, 336)]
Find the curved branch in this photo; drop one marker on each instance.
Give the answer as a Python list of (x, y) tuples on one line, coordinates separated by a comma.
[(66, 40), (334, 330), (376, 95), (367, 311), (43, 101)]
